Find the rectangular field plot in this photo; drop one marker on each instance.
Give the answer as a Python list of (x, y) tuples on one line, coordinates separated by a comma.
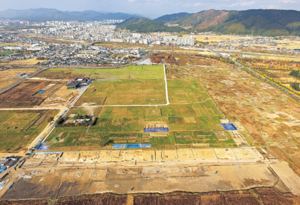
[(130, 72), (76, 138), (192, 122), (19, 128), (187, 91), (26, 94), (10, 76), (65, 73), (125, 92)]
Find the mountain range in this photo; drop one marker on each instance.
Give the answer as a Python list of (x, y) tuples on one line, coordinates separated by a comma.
[(172, 17), (254, 22), (268, 22), (144, 25), (42, 14)]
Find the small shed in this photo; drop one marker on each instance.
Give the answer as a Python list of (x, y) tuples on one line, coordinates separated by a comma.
[(22, 74), (73, 85)]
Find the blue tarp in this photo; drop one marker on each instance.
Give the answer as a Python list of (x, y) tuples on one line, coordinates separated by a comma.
[(3, 169), (131, 146), (43, 147), (48, 152), (229, 126), (41, 92), (156, 129)]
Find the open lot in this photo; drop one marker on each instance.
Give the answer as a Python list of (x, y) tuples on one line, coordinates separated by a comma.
[(10, 76), (5, 53), (78, 173), (125, 92), (65, 73), (19, 128), (129, 72), (30, 93), (61, 97), (32, 61), (193, 120)]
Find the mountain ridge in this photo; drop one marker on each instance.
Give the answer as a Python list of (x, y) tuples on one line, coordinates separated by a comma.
[(268, 22), (144, 25), (45, 14), (172, 17)]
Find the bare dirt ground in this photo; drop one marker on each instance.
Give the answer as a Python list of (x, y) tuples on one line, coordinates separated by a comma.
[(27, 94), (75, 174), (10, 76), (270, 117), (254, 197), (32, 61)]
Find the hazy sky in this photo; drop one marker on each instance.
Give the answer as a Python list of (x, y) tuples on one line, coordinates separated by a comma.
[(150, 8)]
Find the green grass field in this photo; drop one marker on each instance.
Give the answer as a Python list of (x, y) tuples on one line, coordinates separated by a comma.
[(125, 92), (5, 53), (193, 118), (130, 72), (147, 72), (13, 125)]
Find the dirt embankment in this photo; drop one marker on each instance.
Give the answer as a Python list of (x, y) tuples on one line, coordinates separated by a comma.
[(252, 197)]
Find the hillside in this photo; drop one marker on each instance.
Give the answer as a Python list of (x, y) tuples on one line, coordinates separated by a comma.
[(172, 17), (204, 19), (40, 15), (144, 25), (255, 22)]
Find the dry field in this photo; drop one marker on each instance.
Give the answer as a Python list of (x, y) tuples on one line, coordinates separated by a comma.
[(19, 128), (280, 58), (186, 60), (270, 117), (10, 76), (95, 172), (61, 98), (26, 94), (216, 38), (271, 64), (32, 61)]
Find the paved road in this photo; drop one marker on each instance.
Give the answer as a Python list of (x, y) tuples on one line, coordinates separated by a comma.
[(46, 131), (49, 79)]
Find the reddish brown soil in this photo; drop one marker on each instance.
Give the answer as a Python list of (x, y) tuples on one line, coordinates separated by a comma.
[(22, 95), (266, 196), (272, 196), (161, 57), (24, 203), (95, 200)]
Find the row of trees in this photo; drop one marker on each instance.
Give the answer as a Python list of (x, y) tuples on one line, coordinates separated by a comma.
[(295, 86), (295, 73)]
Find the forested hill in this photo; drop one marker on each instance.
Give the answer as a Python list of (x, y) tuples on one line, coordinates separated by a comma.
[(144, 25), (256, 22), (172, 17)]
